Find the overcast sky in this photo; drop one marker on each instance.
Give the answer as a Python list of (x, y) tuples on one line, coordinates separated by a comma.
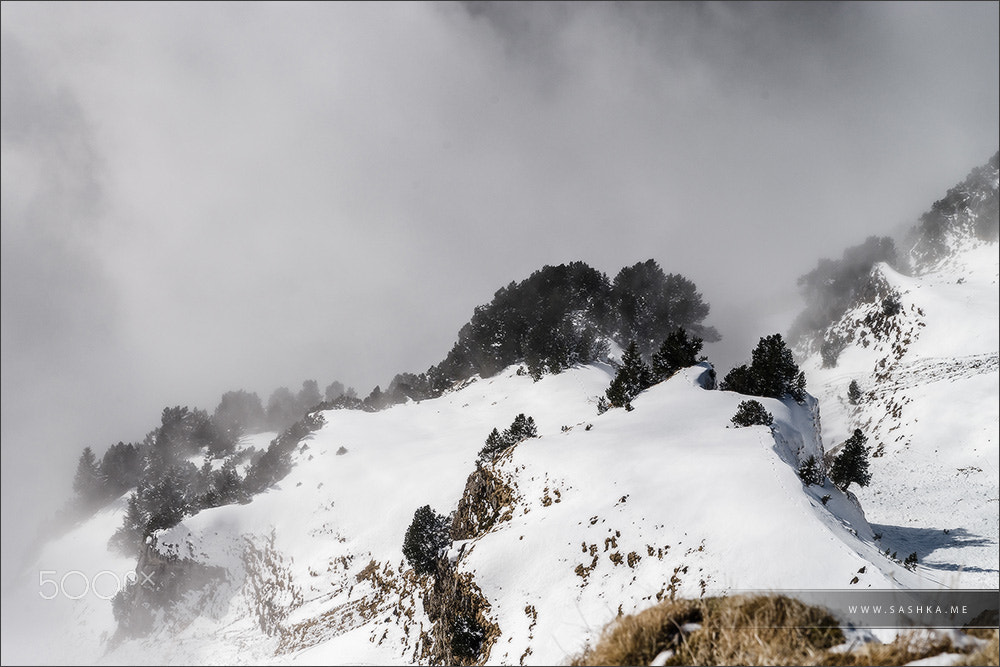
[(198, 197)]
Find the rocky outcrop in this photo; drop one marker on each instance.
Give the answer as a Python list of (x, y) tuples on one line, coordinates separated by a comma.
[(486, 501), (167, 592), (462, 632)]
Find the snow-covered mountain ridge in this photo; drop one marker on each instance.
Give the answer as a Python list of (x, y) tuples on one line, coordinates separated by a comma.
[(606, 515), (923, 351)]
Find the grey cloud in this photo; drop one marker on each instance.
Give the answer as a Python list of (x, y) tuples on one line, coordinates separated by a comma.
[(272, 193)]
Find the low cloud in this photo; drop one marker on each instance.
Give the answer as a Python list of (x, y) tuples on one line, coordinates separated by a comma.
[(206, 197)]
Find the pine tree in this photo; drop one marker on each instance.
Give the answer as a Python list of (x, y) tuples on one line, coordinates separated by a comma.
[(166, 501), (810, 473), (334, 390), (632, 378), (239, 412), (752, 413), (134, 528), (309, 396), (88, 483), (121, 467), (520, 429), (495, 443), (426, 539), (776, 370), (851, 465), (741, 380), (772, 372), (676, 352)]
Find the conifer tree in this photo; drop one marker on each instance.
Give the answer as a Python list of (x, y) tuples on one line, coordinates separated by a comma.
[(426, 539), (676, 352), (752, 413), (633, 377), (520, 429), (134, 528), (772, 372), (851, 465), (88, 483), (809, 472)]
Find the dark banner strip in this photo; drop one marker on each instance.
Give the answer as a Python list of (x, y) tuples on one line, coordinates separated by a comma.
[(961, 609)]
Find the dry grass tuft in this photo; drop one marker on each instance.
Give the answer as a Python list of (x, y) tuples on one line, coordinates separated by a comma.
[(757, 630), (987, 655), (760, 630), (636, 640)]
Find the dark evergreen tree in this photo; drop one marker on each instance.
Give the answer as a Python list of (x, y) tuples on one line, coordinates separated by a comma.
[(309, 396), (426, 540), (676, 352), (467, 637), (742, 380), (276, 461), (776, 370), (851, 465), (495, 443), (282, 409), (633, 377), (651, 304), (752, 413), (166, 500), (375, 400), (88, 483), (334, 390), (772, 372), (129, 537), (407, 386), (238, 413), (226, 487), (519, 430), (810, 473), (121, 467), (853, 392), (207, 434)]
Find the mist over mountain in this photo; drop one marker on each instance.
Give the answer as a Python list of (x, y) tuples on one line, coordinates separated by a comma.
[(238, 537), (273, 272)]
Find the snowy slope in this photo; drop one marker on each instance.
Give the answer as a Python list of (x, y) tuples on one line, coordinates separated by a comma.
[(665, 499), (930, 410)]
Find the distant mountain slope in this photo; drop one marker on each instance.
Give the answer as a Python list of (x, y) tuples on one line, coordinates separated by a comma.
[(598, 515), (923, 350)]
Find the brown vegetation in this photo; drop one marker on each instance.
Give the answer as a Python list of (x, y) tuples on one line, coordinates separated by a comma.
[(756, 630)]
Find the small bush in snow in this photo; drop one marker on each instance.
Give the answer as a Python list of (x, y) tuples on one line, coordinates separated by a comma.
[(466, 637), (426, 539), (752, 413), (853, 392), (891, 305), (911, 561)]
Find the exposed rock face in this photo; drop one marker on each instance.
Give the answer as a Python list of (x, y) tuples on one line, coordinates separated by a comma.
[(487, 500), (168, 590), (462, 632)]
